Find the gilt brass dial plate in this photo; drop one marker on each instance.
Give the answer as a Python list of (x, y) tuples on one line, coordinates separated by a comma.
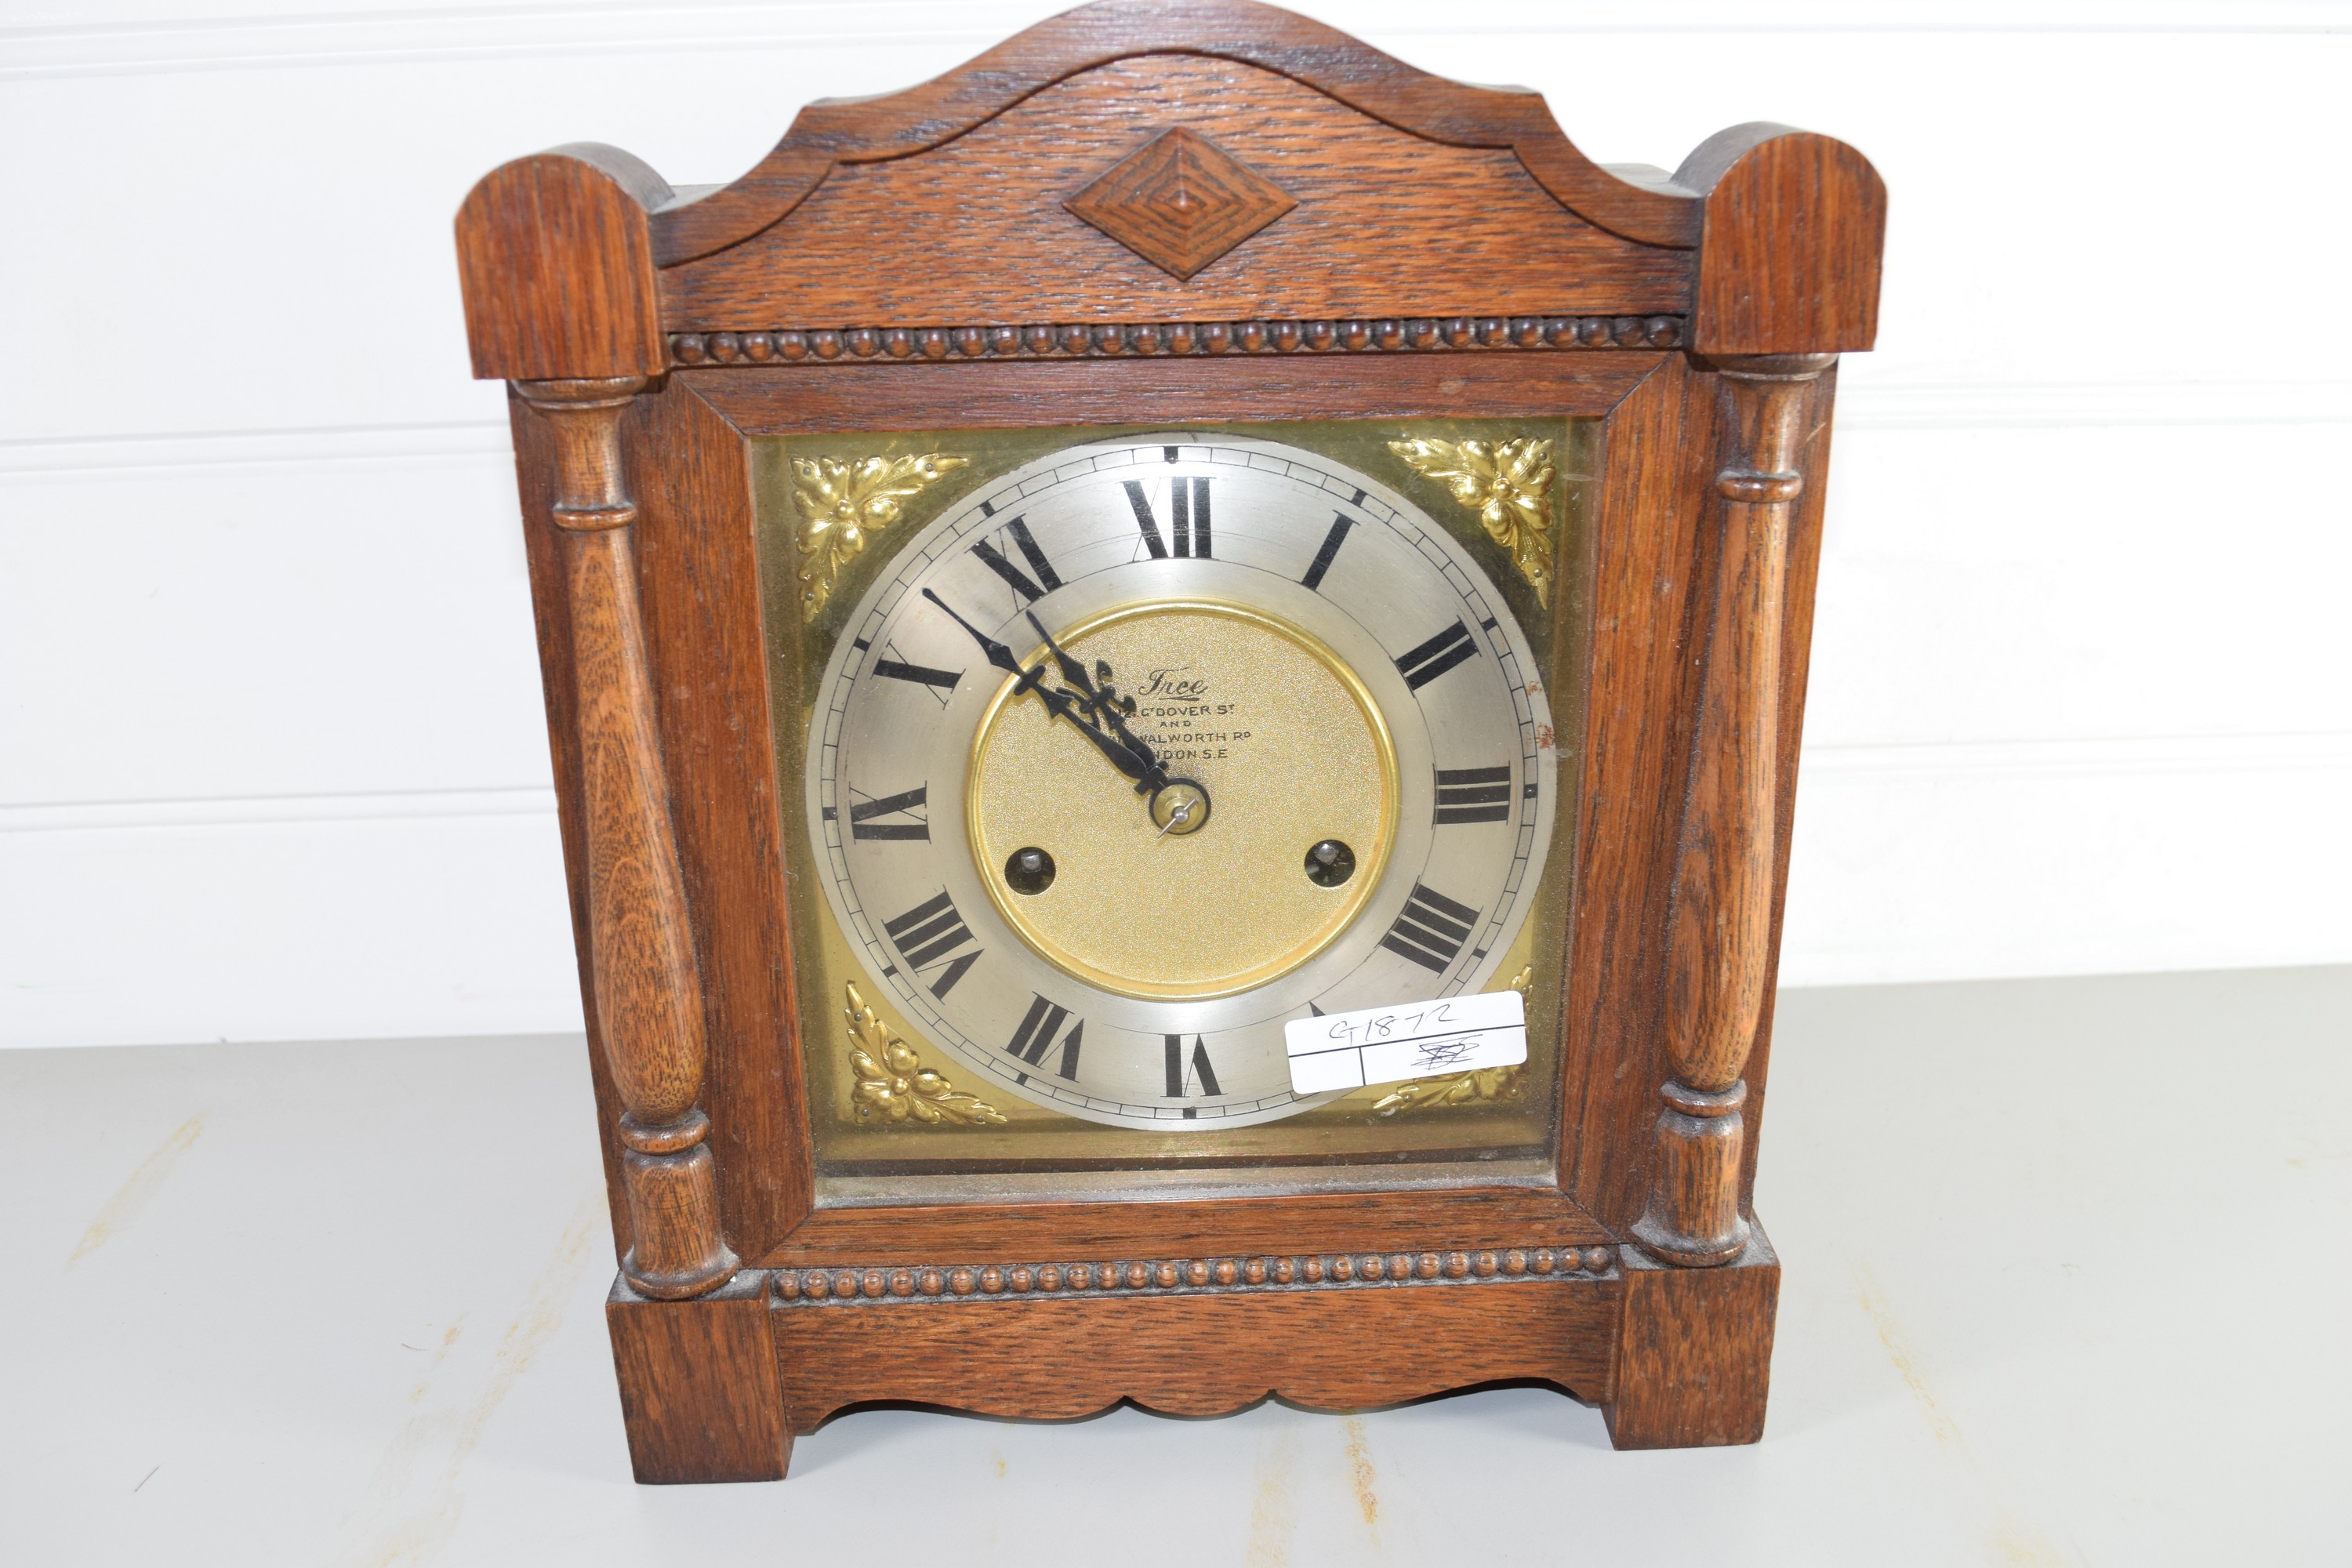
[(1391, 703), (1300, 755)]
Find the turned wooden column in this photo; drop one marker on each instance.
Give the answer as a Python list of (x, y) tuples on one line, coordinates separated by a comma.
[(1718, 931), (648, 995)]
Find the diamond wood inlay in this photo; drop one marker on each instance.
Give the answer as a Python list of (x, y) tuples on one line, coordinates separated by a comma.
[(1180, 201)]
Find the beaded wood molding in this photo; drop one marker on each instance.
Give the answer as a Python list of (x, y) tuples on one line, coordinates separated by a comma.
[(1179, 1276), (1109, 341)]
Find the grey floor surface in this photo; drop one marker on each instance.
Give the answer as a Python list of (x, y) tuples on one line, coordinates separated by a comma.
[(2067, 1283)]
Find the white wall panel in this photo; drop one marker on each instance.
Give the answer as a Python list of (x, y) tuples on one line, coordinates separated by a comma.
[(271, 756), (2102, 583), (1956, 862), (297, 617), (305, 920)]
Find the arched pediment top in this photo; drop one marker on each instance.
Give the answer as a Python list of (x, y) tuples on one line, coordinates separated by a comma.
[(871, 129)]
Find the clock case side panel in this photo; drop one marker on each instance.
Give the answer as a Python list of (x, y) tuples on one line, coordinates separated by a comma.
[(552, 609), (706, 644), (1654, 571), (697, 588), (1646, 571), (1793, 232), (1796, 670)]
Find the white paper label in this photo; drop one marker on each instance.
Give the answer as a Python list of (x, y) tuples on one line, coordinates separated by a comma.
[(1418, 1039)]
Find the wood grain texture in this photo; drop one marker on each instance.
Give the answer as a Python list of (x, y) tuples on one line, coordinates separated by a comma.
[(699, 1390), (1695, 1352), (1180, 202), (829, 135), (1722, 903), (1796, 658), (1647, 571), (770, 401), (1789, 254), (1718, 939), (534, 445), (644, 984), (977, 230), (1473, 1216), (706, 649), (646, 981), (1206, 1354), (556, 261)]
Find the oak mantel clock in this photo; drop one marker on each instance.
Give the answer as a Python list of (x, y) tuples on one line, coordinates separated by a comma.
[(1092, 609)]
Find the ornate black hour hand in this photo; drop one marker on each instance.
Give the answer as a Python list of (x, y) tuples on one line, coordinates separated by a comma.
[(1105, 706), (1064, 705), (1129, 756)]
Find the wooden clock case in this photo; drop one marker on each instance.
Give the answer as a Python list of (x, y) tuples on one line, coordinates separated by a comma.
[(922, 261)]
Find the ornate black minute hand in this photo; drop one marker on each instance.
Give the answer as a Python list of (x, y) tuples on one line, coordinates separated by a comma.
[(998, 654), (1128, 756)]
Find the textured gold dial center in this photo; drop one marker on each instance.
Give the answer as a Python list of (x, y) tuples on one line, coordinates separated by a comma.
[(1272, 746)]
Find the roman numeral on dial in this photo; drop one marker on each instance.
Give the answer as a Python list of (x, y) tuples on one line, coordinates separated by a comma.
[(1183, 1075), (1188, 517), (1473, 795), (927, 934), (862, 813), (1329, 552), (1438, 654), (941, 681), (1036, 1033), (1047, 579), (1432, 930)]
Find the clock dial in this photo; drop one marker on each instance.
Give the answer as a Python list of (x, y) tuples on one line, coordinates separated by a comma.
[(1152, 745), (1185, 891)]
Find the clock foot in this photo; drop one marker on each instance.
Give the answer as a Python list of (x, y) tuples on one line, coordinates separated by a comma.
[(1694, 1351), (700, 1391)]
